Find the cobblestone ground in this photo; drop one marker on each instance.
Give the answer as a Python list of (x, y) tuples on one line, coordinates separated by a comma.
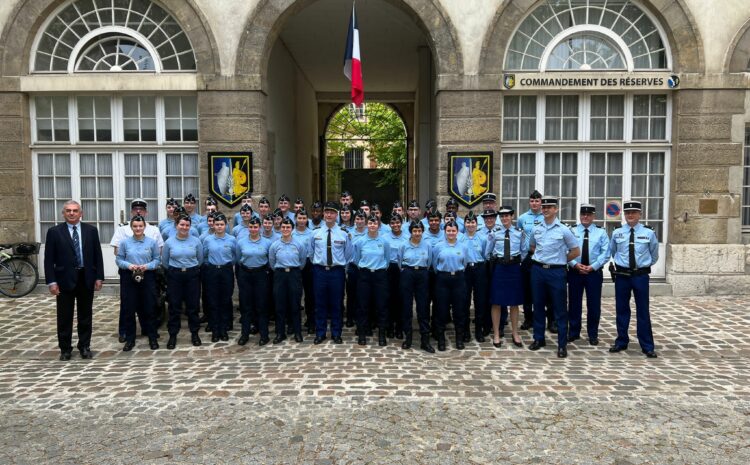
[(343, 404)]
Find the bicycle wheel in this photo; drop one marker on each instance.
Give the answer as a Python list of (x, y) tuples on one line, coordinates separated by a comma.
[(18, 277)]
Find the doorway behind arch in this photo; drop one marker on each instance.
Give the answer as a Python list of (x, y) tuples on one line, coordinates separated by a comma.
[(307, 88)]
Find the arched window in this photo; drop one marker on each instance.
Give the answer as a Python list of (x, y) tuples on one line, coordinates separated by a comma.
[(585, 35), (112, 36)]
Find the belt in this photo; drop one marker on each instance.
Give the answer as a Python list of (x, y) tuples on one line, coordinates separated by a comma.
[(415, 268), (219, 267), (182, 270), (636, 272), (452, 273), (514, 260), (548, 267), (79, 268), (285, 270), (371, 271), (330, 268), (472, 265), (255, 269)]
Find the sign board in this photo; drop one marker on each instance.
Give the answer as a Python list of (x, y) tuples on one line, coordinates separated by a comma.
[(613, 209), (605, 80)]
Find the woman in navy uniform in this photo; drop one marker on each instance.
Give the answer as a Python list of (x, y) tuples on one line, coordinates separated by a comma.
[(253, 282), (414, 259), (182, 256), (372, 255), (449, 259), (506, 246), (287, 257), (137, 258), (220, 255)]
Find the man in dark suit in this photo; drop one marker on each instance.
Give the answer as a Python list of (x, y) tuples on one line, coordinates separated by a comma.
[(73, 270)]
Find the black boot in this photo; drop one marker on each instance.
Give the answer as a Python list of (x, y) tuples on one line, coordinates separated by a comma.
[(460, 342), (441, 342), (172, 343), (381, 338), (407, 341), (425, 345)]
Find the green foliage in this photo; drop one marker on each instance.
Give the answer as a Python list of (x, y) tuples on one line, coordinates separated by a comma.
[(381, 133)]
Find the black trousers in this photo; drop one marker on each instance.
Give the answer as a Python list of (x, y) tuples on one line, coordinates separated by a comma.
[(450, 294), (137, 299), (394, 298), (307, 285), (414, 288), (287, 293), (183, 287), (352, 275), (477, 285), (66, 301), (219, 281), (372, 290), (253, 285)]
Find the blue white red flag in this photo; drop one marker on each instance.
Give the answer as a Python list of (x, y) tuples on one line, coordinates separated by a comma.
[(352, 61)]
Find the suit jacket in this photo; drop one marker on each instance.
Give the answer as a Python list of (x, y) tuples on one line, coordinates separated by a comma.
[(60, 260)]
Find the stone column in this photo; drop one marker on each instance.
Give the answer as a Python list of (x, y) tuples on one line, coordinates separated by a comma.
[(705, 254), (17, 207)]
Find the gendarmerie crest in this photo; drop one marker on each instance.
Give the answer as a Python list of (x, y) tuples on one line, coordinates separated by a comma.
[(230, 176), (469, 176)]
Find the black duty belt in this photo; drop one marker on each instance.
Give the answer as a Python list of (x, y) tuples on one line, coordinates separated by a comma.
[(254, 269), (415, 268), (548, 267), (182, 270), (636, 272), (514, 260), (472, 265), (219, 267), (451, 273), (285, 270), (331, 268)]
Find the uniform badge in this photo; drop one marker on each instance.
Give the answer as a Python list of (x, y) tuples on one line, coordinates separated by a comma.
[(230, 176), (469, 176)]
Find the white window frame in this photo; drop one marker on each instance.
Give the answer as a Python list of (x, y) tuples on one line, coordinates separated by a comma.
[(745, 179)]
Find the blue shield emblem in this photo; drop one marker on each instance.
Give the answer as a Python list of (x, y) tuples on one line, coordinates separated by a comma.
[(230, 176), (469, 176)]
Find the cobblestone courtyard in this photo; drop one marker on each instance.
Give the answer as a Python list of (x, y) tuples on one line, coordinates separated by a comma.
[(343, 404)]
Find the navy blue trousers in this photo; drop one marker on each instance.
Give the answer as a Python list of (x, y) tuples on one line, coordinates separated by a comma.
[(414, 289), (219, 281), (591, 284), (137, 298), (372, 291), (476, 285), (253, 285), (450, 293), (183, 287), (352, 273), (548, 287), (638, 286), (329, 293), (394, 297), (287, 294), (307, 285)]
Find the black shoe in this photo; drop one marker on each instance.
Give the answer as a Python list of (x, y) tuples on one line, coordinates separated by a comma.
[(128, 346), (86, 353), (172, 343), (362, 341), (243, 339), (389, 334), (215, 337), (406, 345), (573, 338), (441, 345), (298, 337), (497, 344), (224, 337), (338, 340), (536, 345), (425, 345), (253, 330), (479, 337), (279, 339), (349, 323), (153, 343), (650, 353), (195, 339), (594, 341), (318, 339), (121, 339), (263, 341), (65, 355), (398, 335), (562, 352), (382, 337), (518, 343), (526, 325), (552, 329), (460, 344), (615, 349)]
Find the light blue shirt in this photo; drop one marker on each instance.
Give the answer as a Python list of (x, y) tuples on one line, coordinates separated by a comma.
[(519, 242), (304, 237), (476, 247), (170, 230), (552, 241), (372, 253), (646, 246), (203, 228), (528, 220), (384, 228), (450, 257), (238, 218), (253, 254), (341, 246), (182, 253), (396, 242), (459, 223), (197, 219), (80, 237), (220, 250), (239, 229), (132, 251), (415, 255), (273, 237), (165, 223), (292, 254), (355, 235), (205, 235), (598, 245), (431, 238)]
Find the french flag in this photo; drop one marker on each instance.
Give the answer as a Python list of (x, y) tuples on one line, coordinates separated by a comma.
[(352, 62)]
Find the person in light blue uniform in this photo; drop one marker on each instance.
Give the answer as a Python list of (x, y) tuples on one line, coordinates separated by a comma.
[(284, 208), (268, 231), (476, 279), (137, 258), (414, 257), (352, 272), (182, 256), (527, 221), (586, 274), (635, 250), (396, 236), (382, 228), (303, 234), (554, 246), (205, 304), (253, 282), (451, 206), (209, 207), (430, 207), (372, 254), (220, 255), (331, 251), (450, 258), (505, 247), (247, 199), (414, 213), (432, 235), (189, 203), (453, 217), (169, 220), (246, 213), (287, 257), (346, 218), (208, 226), (489, 217), (316, 216)]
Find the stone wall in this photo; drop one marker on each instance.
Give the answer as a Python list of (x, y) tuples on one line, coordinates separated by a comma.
[(16, 208)]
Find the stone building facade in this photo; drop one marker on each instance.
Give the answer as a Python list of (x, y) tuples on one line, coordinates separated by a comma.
[(106, 100)]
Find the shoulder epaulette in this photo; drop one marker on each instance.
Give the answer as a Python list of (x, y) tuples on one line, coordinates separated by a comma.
[(648, 226)]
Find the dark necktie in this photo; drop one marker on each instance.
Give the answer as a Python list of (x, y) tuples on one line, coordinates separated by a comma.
[(585, 251), (329, 250), (77, 246), (631, 251), (506, 245)]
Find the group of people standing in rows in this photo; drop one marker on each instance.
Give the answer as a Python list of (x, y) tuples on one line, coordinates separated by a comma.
[(437, 264)]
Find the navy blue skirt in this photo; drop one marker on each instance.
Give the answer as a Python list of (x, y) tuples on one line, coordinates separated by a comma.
[(507, 285)]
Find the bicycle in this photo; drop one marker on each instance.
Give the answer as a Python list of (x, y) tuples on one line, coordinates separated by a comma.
[(18, 275)]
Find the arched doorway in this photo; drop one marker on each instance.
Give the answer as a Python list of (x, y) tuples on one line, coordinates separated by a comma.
[(366, 153)]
